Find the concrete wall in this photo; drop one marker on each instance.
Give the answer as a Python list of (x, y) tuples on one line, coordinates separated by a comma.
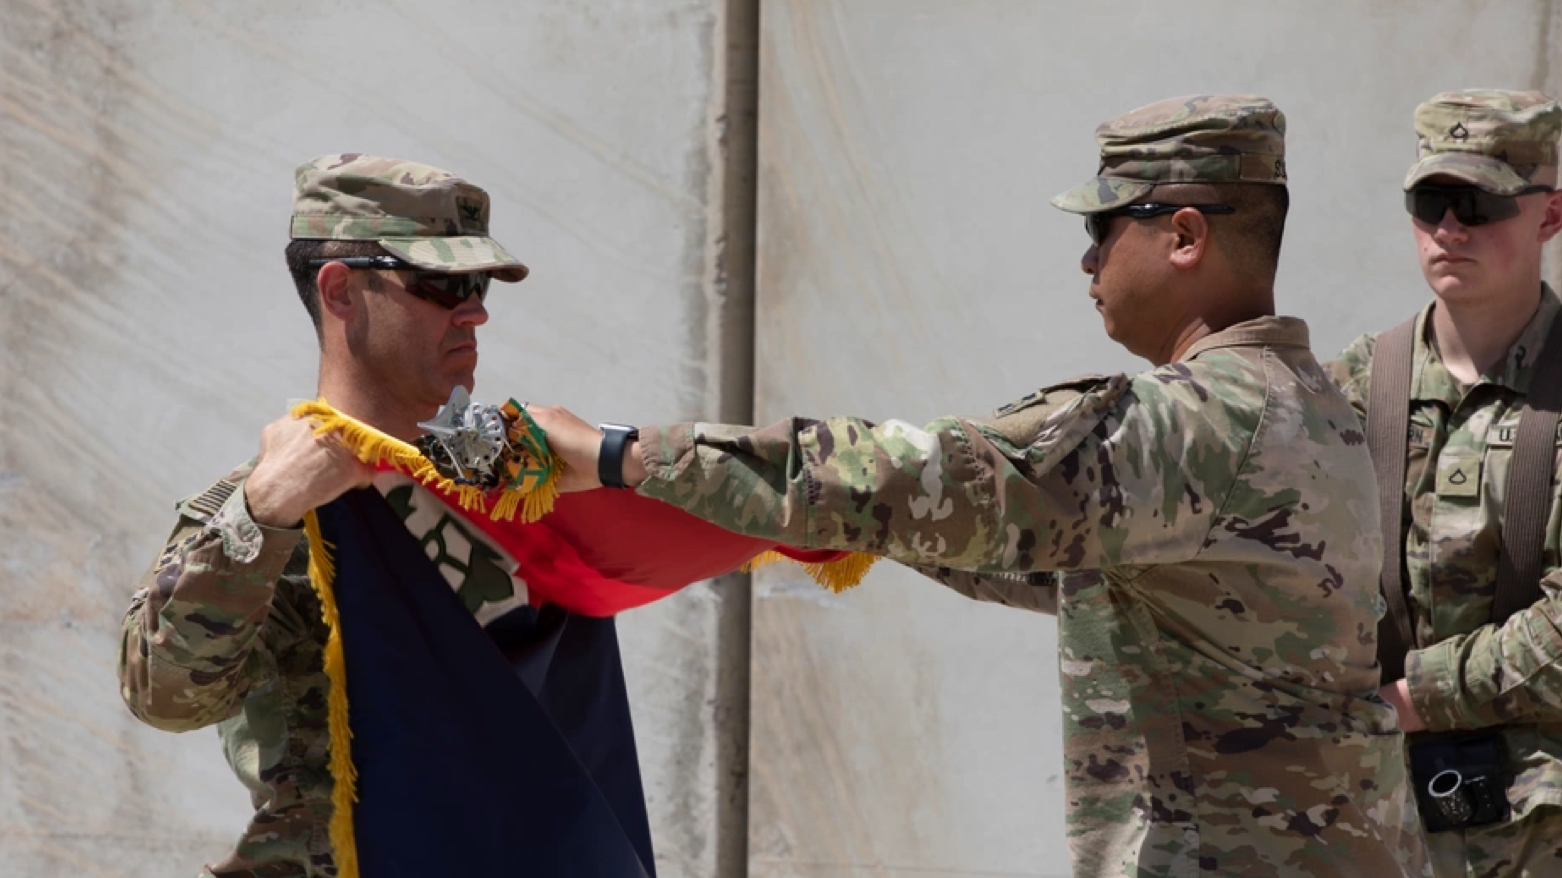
[(907, 265)]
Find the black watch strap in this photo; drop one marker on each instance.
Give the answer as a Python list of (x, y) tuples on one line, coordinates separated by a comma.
[(610, 459)]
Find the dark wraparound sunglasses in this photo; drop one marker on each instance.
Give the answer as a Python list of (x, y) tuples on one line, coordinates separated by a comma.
[(1471, 206), (1096, 224), (445, 289)]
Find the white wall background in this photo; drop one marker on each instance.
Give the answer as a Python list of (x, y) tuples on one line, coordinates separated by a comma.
[(908, 265)]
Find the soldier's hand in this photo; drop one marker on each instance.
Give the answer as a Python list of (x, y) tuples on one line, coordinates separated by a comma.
[(299, 471), (1397, 694), (577, 443)]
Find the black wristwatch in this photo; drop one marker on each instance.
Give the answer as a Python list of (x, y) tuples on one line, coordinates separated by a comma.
[(610, 459)]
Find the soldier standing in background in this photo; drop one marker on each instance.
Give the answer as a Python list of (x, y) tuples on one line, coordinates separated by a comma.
[(1215, 516), (1473, 639)]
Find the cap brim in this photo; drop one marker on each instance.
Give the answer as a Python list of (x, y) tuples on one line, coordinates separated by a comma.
[(458, 255), (1493, 175), (1102, 193)]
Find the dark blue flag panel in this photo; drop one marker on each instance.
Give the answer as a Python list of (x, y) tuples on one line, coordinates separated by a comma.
[(506, 752)]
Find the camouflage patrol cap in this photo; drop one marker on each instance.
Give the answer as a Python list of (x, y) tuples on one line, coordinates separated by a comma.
[(1493, 139), (1194, 139), (422, 215)]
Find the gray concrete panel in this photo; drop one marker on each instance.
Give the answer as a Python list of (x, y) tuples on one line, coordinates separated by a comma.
[(909, 266), (148, 330)]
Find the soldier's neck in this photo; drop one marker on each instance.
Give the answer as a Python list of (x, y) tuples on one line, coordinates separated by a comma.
[(1472, 337), (368, 402), (1217, 316), (1182, 340)]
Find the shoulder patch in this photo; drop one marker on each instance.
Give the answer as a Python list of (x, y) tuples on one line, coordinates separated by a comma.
[(203, 506), (1054, 412), (1079, 384)]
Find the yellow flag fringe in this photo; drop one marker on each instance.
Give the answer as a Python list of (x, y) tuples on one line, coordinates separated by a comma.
[(837, 575), (344, 776)]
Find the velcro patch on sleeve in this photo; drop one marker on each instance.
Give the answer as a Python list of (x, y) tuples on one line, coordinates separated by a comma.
[(1078, 385), (1060, 411), (203, 506)]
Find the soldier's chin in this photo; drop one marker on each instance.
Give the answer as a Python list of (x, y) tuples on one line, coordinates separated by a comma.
[(464, 378), (1108, 325), (461, 366), (1458, 288)]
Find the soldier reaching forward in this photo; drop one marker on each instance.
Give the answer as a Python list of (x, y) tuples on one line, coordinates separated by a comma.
[(1215, 517)]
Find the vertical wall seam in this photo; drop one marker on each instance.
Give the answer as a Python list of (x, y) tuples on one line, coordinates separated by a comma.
[(730, 392)]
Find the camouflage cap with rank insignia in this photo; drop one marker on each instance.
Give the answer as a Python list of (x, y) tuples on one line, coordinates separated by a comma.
[(1489, 138), (1195, 139), (420, 214)]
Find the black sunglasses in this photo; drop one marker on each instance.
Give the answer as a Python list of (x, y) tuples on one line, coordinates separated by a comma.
[(443, 288), (1471, 206), (1096, 223)]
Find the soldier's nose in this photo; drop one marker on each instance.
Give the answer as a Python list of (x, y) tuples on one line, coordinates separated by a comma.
[(1449, 227), (1089, 262), (472, 312)]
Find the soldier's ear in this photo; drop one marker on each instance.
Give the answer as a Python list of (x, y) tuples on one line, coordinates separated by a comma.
[(1192, 230), (334, 281), (1551, 220)]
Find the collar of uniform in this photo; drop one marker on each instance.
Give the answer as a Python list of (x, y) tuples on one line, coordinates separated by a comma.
[(1282, 332), (1513, 371)]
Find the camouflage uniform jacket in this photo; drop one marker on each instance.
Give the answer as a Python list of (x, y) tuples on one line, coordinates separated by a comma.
[(1218, 671), (225, 629), (1468, 672)]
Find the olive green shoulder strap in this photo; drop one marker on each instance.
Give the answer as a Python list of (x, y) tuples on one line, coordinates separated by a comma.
[(1528, 498), (1388, 424)]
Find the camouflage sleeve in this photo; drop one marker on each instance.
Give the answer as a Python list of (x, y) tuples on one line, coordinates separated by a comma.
[(1496, 674), (1100, 472), (1352, 372), (1037, 591), (188, 638)]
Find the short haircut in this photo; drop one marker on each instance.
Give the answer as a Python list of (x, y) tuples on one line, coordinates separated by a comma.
[(302, 251), (1251, 237)]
